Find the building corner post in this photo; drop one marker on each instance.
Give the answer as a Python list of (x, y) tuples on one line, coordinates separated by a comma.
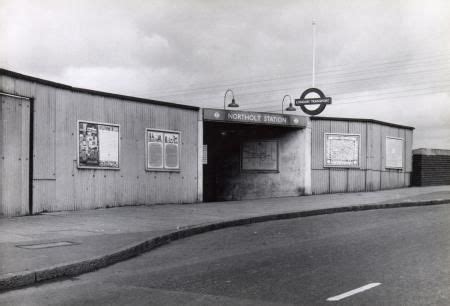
[(200, 156), (307, 153)]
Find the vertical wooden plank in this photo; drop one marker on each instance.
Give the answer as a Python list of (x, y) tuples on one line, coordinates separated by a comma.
[(338, 126), (373, 182), (318, 130), (385, 179), (338, 180), (320, 181), (2, 156), (408, 150), (24, 88), (14, 154), (374, 147), (356, 180), (360, 128), (25, 154), (12, 170), (339, 176), (44, 133), (8, 84), (407, 179)]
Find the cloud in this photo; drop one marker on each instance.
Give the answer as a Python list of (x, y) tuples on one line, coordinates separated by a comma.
[(392, 52)]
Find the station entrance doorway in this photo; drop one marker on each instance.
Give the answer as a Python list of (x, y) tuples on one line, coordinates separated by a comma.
[(252, 155)]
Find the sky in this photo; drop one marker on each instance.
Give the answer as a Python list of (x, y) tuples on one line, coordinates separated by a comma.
[(387, 60)]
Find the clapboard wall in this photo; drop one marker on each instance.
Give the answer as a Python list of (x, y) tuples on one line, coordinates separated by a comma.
[(372, 173), (57, 183)]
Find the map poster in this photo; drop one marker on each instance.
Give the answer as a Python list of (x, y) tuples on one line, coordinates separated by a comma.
[(260, 155), (341, 150), (394, 152), (98, 145)]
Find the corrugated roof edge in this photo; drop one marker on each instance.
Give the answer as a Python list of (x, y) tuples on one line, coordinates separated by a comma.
[(93, 92), (363, 120)]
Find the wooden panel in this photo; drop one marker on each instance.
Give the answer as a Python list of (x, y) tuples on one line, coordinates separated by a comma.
[(373, 146), (373, 180), (44, 133), (320, 181), (385, 180), (338, 126), (400, 179), (7, 84), (393, 179), (44, 192), (356, 180), (408, 150), (338, 180), (407, 179), (361, 129), (14, 151), (24, 88), (318, 130)]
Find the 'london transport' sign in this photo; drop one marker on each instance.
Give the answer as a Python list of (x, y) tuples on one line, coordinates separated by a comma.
[(210, 114), (322, 101)]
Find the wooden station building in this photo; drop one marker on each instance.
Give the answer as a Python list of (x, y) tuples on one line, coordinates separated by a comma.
[(68, 148)]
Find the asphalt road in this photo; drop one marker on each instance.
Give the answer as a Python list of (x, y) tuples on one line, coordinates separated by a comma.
[(403, 254)]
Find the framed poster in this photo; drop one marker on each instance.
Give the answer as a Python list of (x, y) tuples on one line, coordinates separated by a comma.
[(259, 155), (341, 150), (394, 153), (162, 150), (98, 145)]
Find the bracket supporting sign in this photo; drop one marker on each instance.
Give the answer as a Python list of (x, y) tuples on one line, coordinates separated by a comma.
[(322, 101)]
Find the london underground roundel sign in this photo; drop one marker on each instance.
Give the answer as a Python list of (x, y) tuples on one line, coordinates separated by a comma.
[(322, 101)]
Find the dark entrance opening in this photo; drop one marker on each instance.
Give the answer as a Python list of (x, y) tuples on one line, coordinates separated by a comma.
[(245, 161)]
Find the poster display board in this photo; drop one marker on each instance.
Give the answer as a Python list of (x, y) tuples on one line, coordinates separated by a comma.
[(259, 155), (162, 150), (342, 150), (394, 152), (98, 145)]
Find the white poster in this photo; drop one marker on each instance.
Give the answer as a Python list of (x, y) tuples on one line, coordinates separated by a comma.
[(342, 150), (154, 149), (108, 137), (394, 152), (171, 156)]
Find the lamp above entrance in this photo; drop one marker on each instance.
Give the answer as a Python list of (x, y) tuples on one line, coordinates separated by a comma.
[(233, 102), (290, 108)]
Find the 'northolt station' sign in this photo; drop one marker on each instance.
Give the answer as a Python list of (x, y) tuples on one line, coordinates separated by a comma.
[(253, 117)]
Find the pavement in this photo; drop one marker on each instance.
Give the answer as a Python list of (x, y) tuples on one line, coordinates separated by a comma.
[(92, 239)]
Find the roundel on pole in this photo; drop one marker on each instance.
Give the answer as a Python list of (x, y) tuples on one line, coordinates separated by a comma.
[(322, 101)]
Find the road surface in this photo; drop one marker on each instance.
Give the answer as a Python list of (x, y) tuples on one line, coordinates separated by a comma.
[(382, 257)]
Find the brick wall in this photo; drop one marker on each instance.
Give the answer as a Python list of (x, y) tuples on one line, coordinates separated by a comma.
[(431, 167)]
